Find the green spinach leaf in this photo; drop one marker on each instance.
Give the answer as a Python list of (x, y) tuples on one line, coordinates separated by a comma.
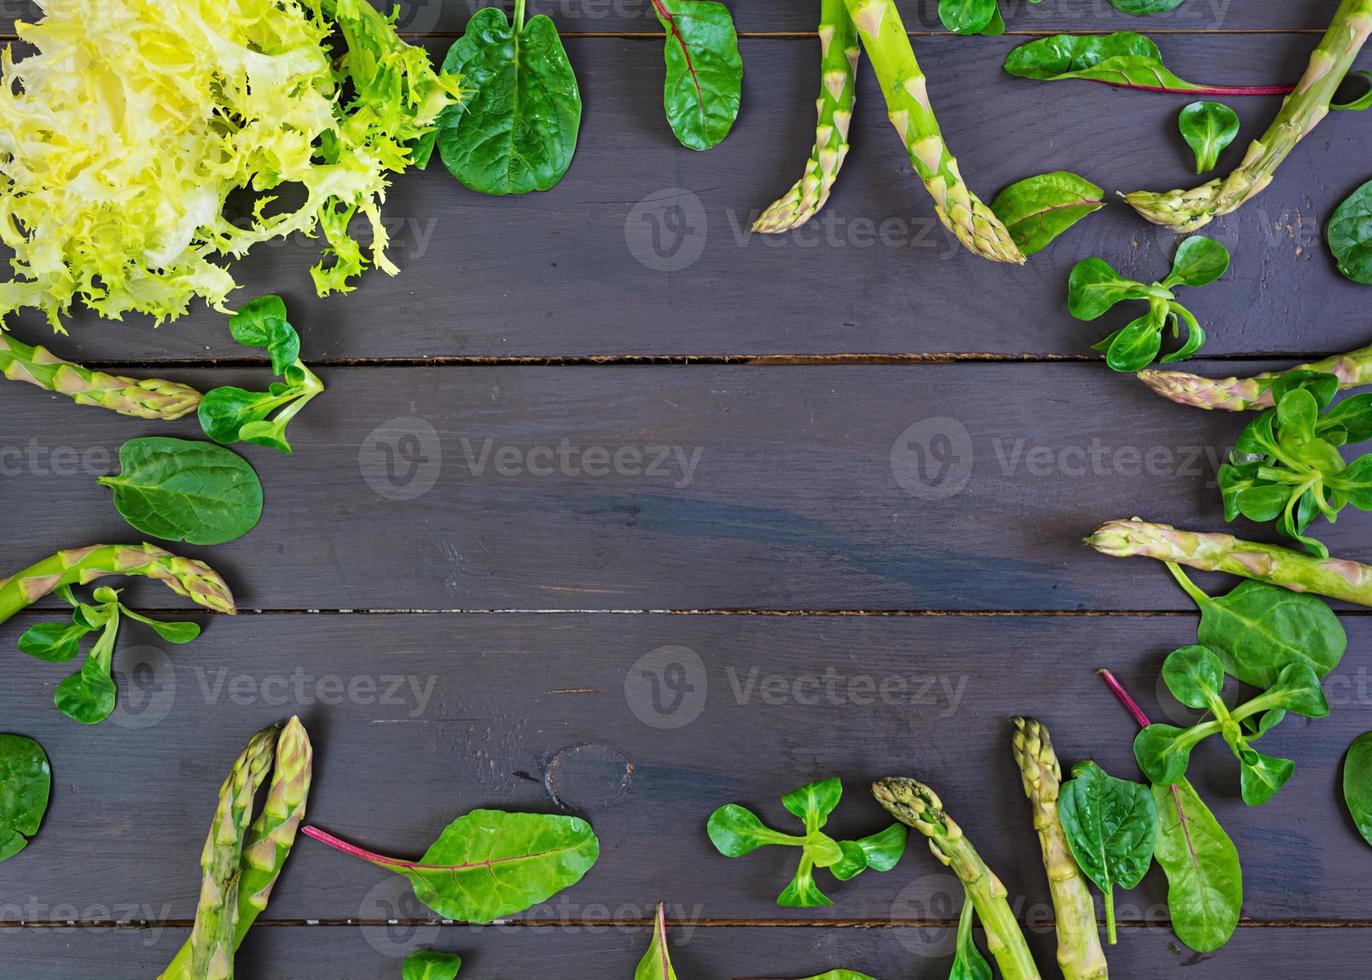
[(1038, 209), (25, 784), (1145, 8), (968, 16), (1357, 784), (430, 964), (704, 82), (1204, 877), (489, 863), (656, 963), (519, 130), (1208, 127), (1350, 235), (1111, 825), (179, 490)]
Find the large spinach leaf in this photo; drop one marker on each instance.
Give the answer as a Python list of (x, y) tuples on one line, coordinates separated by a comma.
[(180, 490), (1357, 784), (518, 131), (25, 783), (1111, 825), (1350, 235)]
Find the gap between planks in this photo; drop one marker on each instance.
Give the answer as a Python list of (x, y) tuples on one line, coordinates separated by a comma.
[(791, 613)]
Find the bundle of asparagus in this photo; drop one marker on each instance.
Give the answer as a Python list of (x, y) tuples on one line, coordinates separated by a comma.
[(241, 863)]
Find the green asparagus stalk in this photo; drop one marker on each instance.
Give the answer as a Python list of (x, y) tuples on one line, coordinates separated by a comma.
[(147, 399), (908, 106), (1080, 955), (1295, 570), (213, 937), (839, 53), (1187, 210), (1255, 393), (185, 576), (917, 806), (270, 840)]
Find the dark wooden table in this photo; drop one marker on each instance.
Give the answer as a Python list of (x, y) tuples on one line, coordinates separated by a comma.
[(735, 515)]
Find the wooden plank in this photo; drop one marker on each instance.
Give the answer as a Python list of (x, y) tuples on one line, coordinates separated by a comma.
[(555, 274), (695, 487), (417, 719), (637, 16), (304, 953)]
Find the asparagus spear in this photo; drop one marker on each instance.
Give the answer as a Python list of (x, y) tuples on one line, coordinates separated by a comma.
[(917, 806), (213, 937), (270, 840), (907, 104), (1080, 956), (839, 54), (77, 566), (147, 399), (1295, 570), (1187, 210), (1243, 394)]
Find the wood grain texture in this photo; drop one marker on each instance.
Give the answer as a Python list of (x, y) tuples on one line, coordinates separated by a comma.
[(636, 16), (678, 488), (328, 953), (555, 274), (643, 724)]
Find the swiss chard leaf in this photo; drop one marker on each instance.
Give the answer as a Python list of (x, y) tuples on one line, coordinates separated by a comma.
[(1350, 235), (704, 82), (179, 490), (430, 964), (518, 132), (1125, 59), (489, 864), (656, 963), (1204, 877), (1111, 825), (1357, 784), (25, 784), (1208, 127), (1038, 209)]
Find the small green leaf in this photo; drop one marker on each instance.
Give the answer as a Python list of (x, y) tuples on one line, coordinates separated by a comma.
[(1038, 209), (656, 963), (1199, 261), (814, 802), (1297, 690), (25, 785), (53, 642), (87, 696), (1208, 128), (1352, 415), (1363, 102), (968, 963), (1195, 676), (1350, 235), (1145, 8), (178, 632), (262, 323), (1262, 776), (704, 82), (1163, 752), (430, 964), (802, 892), (518, 132), (967, 16), (1137, 345), (224, 411), (736, 830), (1357, 784), (179, 490), (1094, 288)]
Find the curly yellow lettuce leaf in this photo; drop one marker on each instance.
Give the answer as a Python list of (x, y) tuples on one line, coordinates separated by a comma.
[(123, 135)]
